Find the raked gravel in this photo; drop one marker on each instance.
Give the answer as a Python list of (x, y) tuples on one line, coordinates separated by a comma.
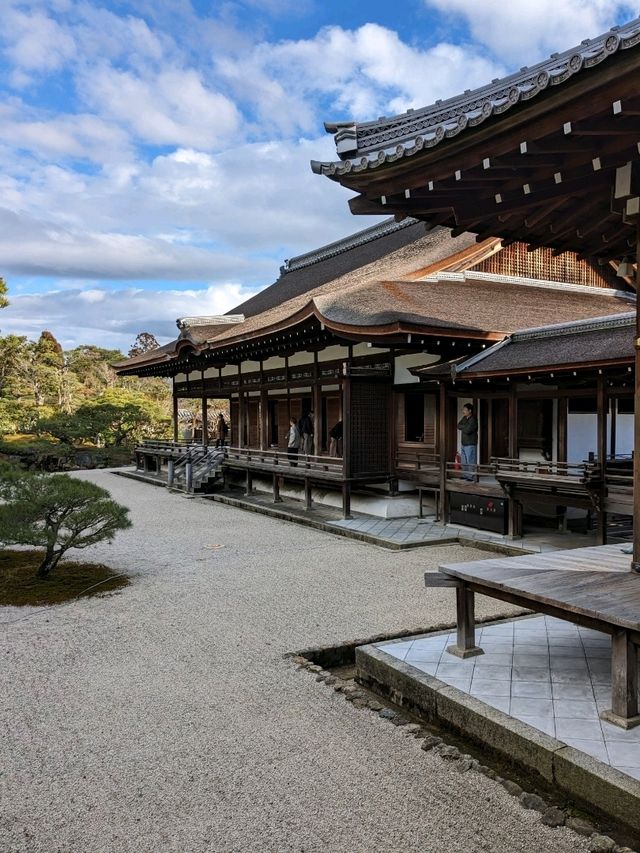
[(165, 718)]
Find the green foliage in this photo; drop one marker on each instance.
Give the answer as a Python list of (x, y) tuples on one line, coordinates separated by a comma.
[(3, 293), (56, 512), (145, 342)]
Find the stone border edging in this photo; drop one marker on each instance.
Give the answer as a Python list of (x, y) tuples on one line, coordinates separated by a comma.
[(579, 775)]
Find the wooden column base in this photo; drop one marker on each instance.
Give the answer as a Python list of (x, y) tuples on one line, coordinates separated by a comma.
[(621, 722), (465, 653)]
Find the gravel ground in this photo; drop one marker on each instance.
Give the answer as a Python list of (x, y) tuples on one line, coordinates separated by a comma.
[(164, 717)]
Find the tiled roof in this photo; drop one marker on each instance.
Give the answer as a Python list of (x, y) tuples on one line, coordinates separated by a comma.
[(369, 145), (593, 341)]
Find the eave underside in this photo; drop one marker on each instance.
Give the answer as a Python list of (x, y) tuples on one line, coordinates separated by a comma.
[(543, 174)]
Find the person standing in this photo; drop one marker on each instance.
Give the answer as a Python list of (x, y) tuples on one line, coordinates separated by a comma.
[(335, 439), (306, 433), (293, 442), (221, 430), (468, 426)]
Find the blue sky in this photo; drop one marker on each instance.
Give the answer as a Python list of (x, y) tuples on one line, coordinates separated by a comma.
[(154, 155)]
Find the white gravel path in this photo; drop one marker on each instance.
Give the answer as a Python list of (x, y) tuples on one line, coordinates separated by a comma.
[(164, 717)]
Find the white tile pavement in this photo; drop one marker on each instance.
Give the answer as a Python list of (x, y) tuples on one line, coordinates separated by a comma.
[(543, 671)]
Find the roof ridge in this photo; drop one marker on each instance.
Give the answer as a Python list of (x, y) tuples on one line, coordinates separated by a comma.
[(574, 327), (524, 281), (352, 241), (386, 138)]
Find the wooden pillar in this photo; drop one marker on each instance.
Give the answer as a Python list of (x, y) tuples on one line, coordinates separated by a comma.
[(346, 426), (614, 426), (175, 411), (263, 412), (205, 416), (307, 493), (248, 482), (443, 450), (276, 489), (602, 456), (465, 646), (346, 500), (624, 682), (635, 563), (316, 402), (563, 417), (515, 509)]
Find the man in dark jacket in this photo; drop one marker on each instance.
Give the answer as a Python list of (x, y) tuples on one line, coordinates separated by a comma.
[(306, 432), (468, 426)]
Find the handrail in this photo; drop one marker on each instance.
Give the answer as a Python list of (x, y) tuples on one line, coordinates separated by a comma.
[(575, 470), (282, 458)]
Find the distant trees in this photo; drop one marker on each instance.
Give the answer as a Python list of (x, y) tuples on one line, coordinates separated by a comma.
[(76, 396), (115, 418), (145, 342), (57, 513)]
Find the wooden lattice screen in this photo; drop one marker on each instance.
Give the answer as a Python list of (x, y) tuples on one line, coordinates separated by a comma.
[(541, 264), (369, 427)]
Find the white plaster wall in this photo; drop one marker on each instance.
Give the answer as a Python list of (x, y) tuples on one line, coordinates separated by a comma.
[(300, 358), (230, 370), (365, 349), (211, 373), (273, 363), (582, 436), (624, 434), (404, 362), (333, 353)]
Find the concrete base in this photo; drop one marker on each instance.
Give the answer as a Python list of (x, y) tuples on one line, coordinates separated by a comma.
[(621, 722), (465, 653), (379, 506)]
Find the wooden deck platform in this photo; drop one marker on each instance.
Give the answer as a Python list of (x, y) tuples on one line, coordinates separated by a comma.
[(593, 587)]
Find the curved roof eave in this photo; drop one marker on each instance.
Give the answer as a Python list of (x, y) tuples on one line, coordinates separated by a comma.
[(370, 145)]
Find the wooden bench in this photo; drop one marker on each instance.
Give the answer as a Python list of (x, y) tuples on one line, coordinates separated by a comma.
[(591, 587)]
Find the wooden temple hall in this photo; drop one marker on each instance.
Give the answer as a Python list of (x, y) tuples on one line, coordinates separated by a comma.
[(505, 277)]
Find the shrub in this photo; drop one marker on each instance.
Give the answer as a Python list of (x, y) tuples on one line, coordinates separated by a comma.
[(56, 512)]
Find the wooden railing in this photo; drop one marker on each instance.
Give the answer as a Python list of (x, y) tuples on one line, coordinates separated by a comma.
[(476, 473), (519, 469), (280, 459), (417, 463)]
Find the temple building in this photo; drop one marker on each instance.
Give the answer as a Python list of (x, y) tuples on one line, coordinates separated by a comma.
[(365, 332)]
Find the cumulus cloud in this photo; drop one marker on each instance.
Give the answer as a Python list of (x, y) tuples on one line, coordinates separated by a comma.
[(113, 318), (359, 72), (523, 31), (36, 42), (172, 107)]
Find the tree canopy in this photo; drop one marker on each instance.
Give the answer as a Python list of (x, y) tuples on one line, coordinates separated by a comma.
[(56, 512)]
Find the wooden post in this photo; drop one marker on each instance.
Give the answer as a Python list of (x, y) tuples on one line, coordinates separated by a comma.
[(444, 453), (635, 563), (205, 422), (466, 624), (624, 682), (276, 489), (563, 414), (316, 402), (307, 493), (170, 473), (188, 476), (248, 483), (175, 411), (346, 499), (602, 457), (515, 513), (614, 426), (346, 427)]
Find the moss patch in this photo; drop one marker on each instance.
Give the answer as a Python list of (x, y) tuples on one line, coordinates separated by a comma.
[(19, 585)]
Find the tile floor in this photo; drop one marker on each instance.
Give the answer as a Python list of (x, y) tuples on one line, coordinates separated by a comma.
[(425, 530), (543, 671)]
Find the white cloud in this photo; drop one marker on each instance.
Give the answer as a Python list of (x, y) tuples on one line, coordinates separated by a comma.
[(114, 318), (526, 31), (33, 247), (172, 107), (37, 43), (360, 72)]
